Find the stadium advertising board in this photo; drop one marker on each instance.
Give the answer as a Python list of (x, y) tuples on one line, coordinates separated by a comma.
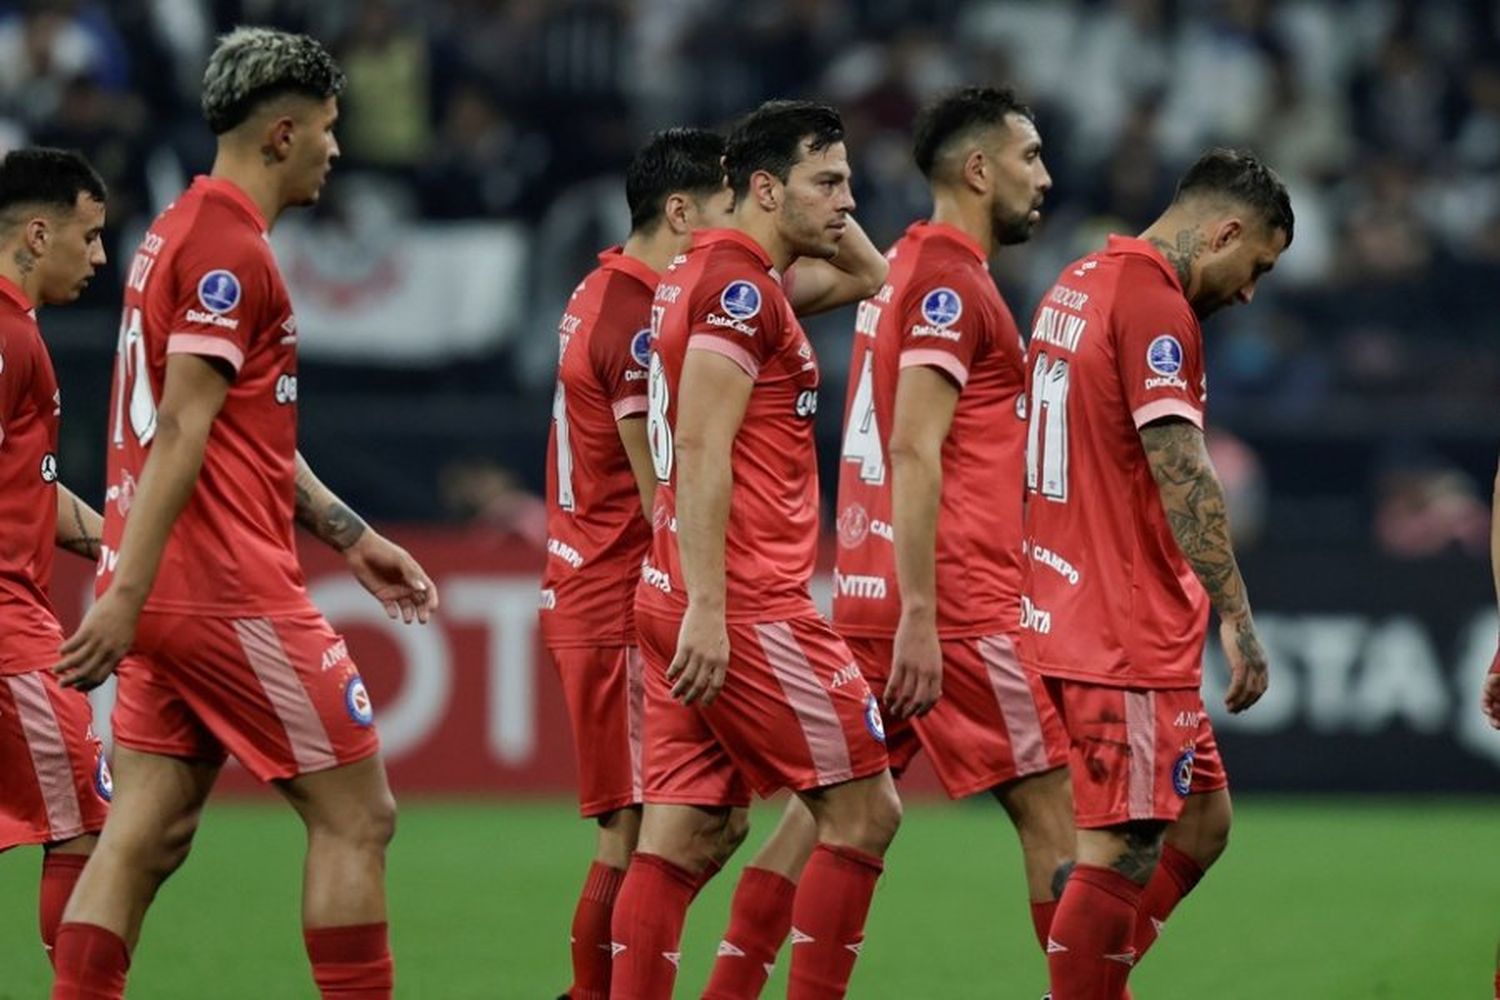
[(1376, 665)]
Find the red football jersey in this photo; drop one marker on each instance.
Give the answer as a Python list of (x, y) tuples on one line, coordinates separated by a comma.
[(596, 532), (29, 414), (1109, 597), (724, 296), (938, 308), (204, 282)]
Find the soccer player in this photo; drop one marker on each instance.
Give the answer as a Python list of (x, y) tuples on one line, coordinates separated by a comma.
[(57, 781), (600, 484), (1129, 545), (928, 575), (746, 685), (198, 577)]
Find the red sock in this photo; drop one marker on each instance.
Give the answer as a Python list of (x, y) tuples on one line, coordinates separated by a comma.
[(351, 963), (707, 876), (759, 920), (828, 920), (590, 938), (1088, 951), (1041, 919), (59, 874), (646, 932), (91, 963), (1175, 876)]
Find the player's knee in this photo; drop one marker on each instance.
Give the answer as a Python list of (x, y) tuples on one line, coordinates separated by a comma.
[(736, 830), (379, 827), (160, 851), (879, 820)]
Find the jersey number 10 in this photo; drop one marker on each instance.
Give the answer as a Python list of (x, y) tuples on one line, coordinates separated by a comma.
[(133, 383)]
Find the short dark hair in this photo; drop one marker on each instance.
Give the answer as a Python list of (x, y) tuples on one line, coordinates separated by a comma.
[(770, 138), (255, 65), (958, 113), (1240, 176), (53, 178), (674, 159)]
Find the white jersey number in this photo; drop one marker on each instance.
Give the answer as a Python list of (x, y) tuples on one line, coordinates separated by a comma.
[(658, 397), (133, 383), (1047, 435), (862, 436), (564, 449)]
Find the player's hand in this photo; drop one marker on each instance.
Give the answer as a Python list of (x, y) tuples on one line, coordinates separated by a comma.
[(389, 572), (916, 681), (1490, 699), (697, 671), (1248, 672), (90, 654)]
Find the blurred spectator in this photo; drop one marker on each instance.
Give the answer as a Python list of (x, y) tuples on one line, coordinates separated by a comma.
[(386, 108), (1426, 508), (480, 164), (480, 492)]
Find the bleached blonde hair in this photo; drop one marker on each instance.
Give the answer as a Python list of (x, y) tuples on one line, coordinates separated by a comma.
[(252, 65)]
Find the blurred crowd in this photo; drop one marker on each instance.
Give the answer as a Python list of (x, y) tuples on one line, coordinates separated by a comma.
[(1382, 115)]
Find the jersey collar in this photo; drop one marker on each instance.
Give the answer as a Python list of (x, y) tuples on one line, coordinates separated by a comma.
[(1143, 248), (704, 237), (11, 291), (616, 259), (927, 230), (234, 194)]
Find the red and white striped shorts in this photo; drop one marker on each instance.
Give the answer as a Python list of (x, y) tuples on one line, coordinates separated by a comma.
[(1137, 754), (54, 779), (281, 693), (794, 713), (993, 724)]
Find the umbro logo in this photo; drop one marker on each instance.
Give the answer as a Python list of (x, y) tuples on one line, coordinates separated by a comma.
[(800, 938), (675, 957), (615, 948), (727, 950), (855, 947), (1053, 947), (1124, 958)]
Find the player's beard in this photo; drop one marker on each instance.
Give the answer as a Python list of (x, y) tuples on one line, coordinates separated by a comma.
[(1012, 228), (808, 238)]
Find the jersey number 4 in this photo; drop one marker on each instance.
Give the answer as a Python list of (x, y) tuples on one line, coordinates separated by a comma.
[(133, 395), (862, 435), (1047, 433)]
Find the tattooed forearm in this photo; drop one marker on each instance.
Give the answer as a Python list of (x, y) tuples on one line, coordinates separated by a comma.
[(79, 527), (1196, 511), (1188, 245), (323, 514)]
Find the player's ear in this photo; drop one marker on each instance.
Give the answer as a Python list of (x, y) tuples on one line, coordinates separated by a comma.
[(279, 133), (678, 212), (36, 233), (765, 189), (1227, 231), (976, 171)]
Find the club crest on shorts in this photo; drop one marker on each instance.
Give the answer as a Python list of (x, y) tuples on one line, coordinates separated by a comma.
[(357, 701), (873, 722), (640, 348), (104, 782), (853, 526), (219, 291), (1182, 773), (740, 299), (1164, 356), (942, 307)]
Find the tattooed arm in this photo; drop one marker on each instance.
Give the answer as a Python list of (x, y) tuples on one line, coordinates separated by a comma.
[(1194, 502), (323, 514), (79, 526), (1490, 699), (384, 568)]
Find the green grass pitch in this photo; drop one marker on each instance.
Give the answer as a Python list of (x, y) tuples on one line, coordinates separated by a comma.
[(1368, 900)]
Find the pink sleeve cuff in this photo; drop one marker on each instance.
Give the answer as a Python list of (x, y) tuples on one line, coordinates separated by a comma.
[(941, 360), (1157, 409), (206, 346), (629, 407), (735, 353)]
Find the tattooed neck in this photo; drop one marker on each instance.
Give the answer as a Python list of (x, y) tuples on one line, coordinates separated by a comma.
[(25, 262), (1181, 255)]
